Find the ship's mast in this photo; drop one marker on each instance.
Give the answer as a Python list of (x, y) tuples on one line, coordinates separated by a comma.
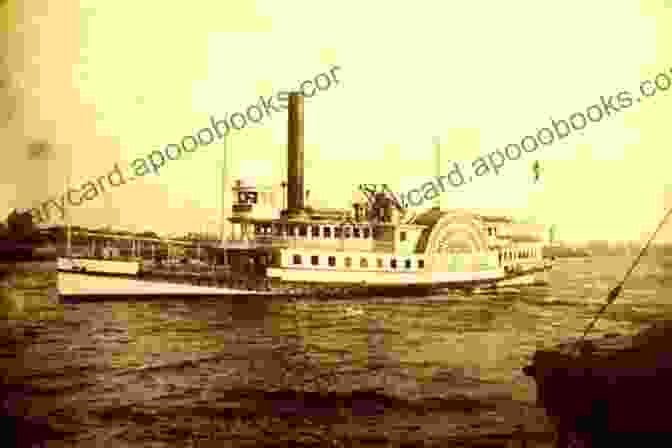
[(437, 170), (223, 190), (66, 218)]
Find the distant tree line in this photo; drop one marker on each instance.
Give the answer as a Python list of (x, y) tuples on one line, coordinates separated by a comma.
[(18, 236)]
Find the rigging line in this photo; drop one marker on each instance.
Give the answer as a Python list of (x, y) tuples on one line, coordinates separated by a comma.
[(617, 290)]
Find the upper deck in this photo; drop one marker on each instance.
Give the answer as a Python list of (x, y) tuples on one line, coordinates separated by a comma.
[(329, 235), (383, 230)]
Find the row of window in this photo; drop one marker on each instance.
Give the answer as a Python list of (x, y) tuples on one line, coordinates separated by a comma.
[(525, 253), (320, 231), (363, 262), (316, 231)]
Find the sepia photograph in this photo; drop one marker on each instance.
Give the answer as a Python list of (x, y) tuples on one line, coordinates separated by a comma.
[(352, 224)]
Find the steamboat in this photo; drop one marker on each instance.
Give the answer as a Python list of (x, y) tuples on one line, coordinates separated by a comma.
[(375, 247)]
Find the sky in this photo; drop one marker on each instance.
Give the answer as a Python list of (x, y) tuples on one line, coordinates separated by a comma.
[(108, 82)]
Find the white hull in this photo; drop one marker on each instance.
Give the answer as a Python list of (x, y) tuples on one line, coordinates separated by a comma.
[(81, 284), (529, 279), (78, 284), (383, 278), (78, 277), (74, 264), (117, 279)]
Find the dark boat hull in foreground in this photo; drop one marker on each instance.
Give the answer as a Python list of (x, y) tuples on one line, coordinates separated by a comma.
[(614, 389)]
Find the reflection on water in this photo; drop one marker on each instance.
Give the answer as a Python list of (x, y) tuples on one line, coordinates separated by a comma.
[(127, 372)]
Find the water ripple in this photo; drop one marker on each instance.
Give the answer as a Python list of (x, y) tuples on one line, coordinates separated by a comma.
[(178, 371)]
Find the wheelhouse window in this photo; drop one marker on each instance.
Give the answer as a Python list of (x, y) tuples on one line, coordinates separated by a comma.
[(346, 232), (315, 260), (363, 263), (332, 261), (315, 232), (366, 232), (348, 262), (338, 232), (327, 232), (296, 259), (393, 263), (407, 264), (421, 264), (303, 231), (356, 232)]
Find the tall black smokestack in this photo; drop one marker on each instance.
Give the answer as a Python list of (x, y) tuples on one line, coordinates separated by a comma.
[(295, 155)]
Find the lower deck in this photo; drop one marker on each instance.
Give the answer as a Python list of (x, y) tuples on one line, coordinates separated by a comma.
[(523, 275), (104, 278)]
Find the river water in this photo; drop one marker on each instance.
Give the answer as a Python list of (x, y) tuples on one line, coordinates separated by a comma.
[(440, 370)]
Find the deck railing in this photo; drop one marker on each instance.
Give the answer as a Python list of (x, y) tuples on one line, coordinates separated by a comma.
[(258, 241)]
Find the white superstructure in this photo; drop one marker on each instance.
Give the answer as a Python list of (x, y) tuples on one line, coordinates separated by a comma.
[(379, 247)]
